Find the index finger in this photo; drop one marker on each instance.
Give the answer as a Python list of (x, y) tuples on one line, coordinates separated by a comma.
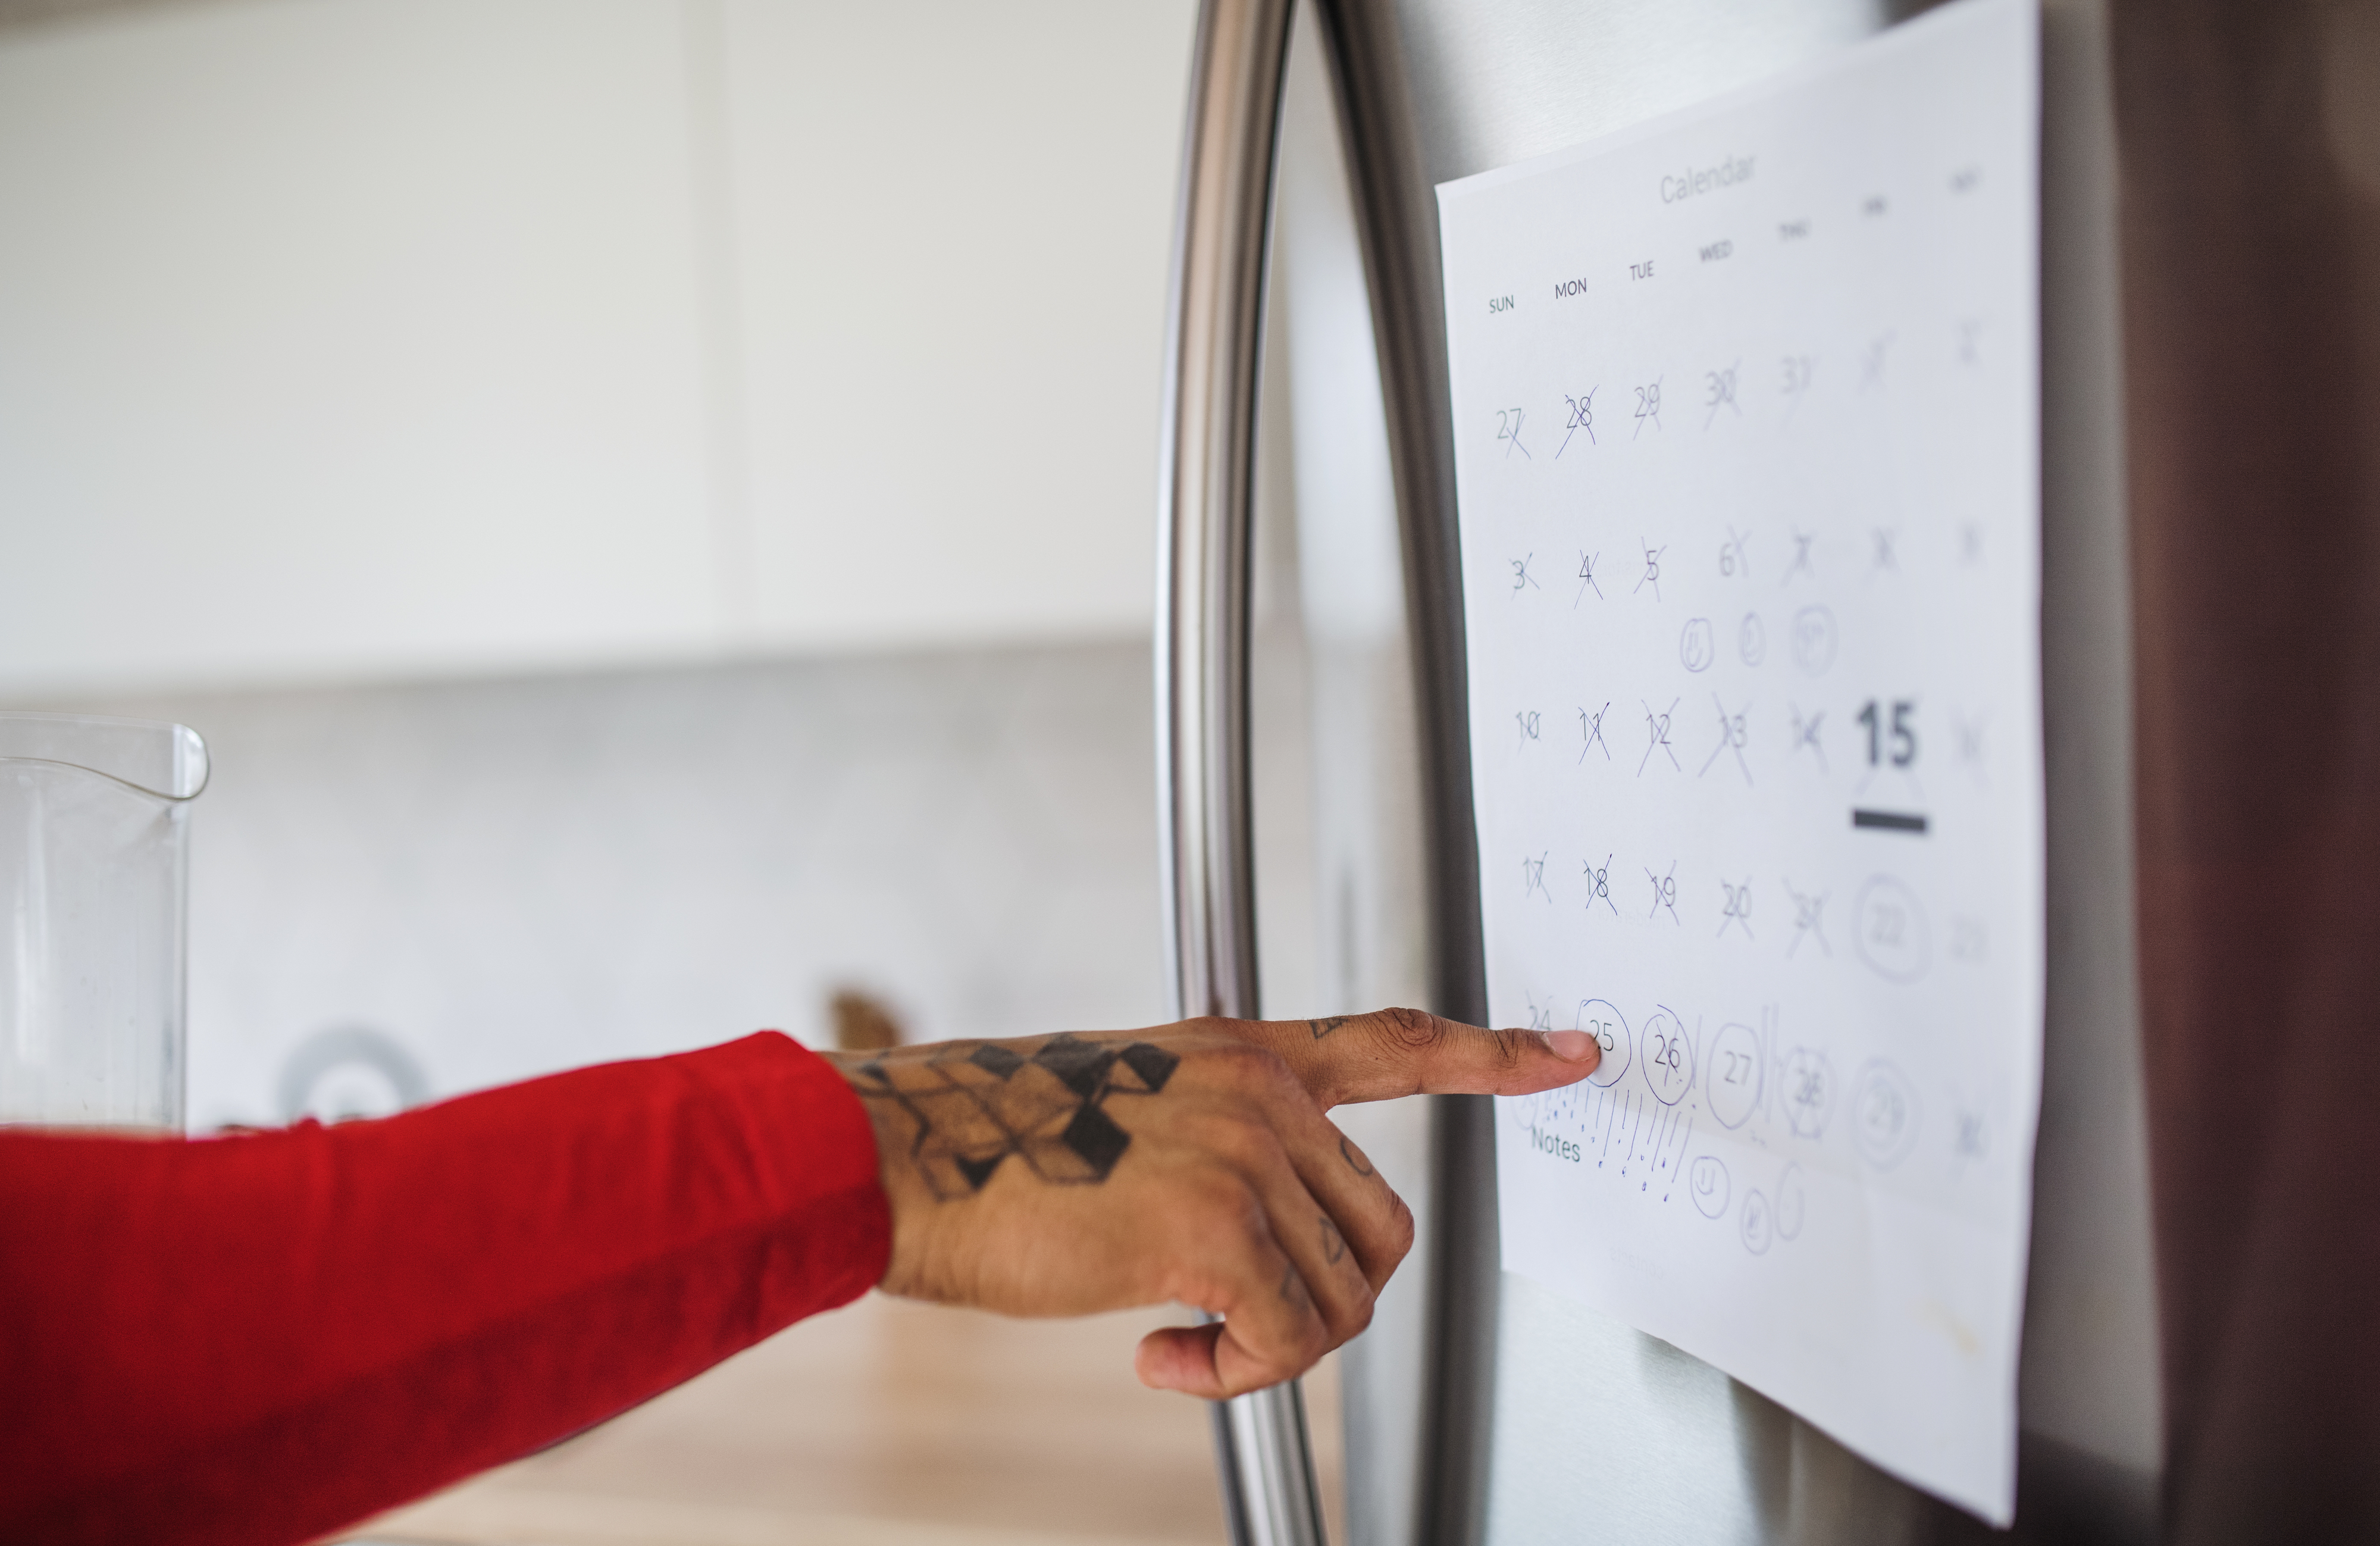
[(1390, 1052)]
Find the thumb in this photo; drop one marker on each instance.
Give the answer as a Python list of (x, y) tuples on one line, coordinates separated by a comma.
[(1408, 1052)]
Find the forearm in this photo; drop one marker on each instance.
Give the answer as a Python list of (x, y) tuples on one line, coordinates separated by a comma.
[(261, 1338)]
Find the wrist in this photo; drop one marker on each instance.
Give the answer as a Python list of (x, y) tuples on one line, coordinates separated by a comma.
[(896, 1128)]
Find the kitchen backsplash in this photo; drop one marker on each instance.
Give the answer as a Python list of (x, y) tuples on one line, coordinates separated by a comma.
[(409, 890)]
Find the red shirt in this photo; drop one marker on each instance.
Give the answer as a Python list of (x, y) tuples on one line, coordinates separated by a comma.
[(260, 1339)]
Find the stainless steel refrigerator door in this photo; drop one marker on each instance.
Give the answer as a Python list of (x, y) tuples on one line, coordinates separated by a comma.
[(1677, 1451), (1537, 1420)]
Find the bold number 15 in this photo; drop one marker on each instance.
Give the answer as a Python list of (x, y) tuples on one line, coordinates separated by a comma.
[(1903, 733)]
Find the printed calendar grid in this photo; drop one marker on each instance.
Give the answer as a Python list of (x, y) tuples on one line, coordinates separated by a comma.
[(1747, 450)]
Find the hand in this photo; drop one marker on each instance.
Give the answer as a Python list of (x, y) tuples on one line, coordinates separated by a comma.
[(1192, 1162)]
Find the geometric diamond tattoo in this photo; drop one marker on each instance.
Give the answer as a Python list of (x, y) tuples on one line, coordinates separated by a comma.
[(974, 1104)]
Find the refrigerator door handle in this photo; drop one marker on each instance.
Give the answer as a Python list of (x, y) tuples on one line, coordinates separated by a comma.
[(1213, 341)]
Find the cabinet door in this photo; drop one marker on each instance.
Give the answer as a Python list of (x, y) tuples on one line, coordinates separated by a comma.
[(348, 338)]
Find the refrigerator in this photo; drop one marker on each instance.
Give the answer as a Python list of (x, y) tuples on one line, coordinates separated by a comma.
[(1312, 572)]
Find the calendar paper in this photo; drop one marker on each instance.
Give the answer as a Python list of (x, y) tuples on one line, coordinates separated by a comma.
[(1747, 426)]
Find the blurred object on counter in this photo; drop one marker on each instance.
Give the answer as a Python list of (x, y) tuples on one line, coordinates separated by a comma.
[(347, 1072), (94, 869), (861, 1024)]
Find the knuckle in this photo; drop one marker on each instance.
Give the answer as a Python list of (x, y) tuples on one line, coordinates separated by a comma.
[(1412, 1030), (1352, 1310), (1276, 1083), (1279, 1090), (1400, 1228), (1223, 1209), (1301, 1347), (1241, 1142), (1250, 1069)]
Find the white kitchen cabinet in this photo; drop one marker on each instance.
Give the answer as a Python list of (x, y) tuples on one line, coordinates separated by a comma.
[(953, 220), (392, 337)]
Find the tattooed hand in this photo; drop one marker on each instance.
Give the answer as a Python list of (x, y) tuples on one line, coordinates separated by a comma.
[(1192, 1162)]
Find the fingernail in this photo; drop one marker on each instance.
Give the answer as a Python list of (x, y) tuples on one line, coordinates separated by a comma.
[(1575, 1046)]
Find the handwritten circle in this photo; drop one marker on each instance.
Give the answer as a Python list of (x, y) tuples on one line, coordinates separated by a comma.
[(1669, 1057), (1883, 1114), (1752, 638), (1809, 1092), (1600, 1018), (1731, 1075), (1814, 639), (1890, 929), (1706, 1184), (1696, 646), (1757, 1224)]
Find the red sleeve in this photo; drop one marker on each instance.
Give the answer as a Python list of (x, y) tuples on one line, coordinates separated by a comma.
[(260, 1339)]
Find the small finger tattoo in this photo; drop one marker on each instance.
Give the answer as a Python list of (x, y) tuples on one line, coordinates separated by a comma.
[(1356, 1162), (1334, 1245), (1324, 1027), (1293, 1287)]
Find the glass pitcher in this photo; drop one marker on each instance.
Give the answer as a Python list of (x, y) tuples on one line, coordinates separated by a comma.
[(94, 858)]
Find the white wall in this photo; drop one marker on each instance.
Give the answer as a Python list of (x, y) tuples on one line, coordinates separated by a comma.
[(384, 337)]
